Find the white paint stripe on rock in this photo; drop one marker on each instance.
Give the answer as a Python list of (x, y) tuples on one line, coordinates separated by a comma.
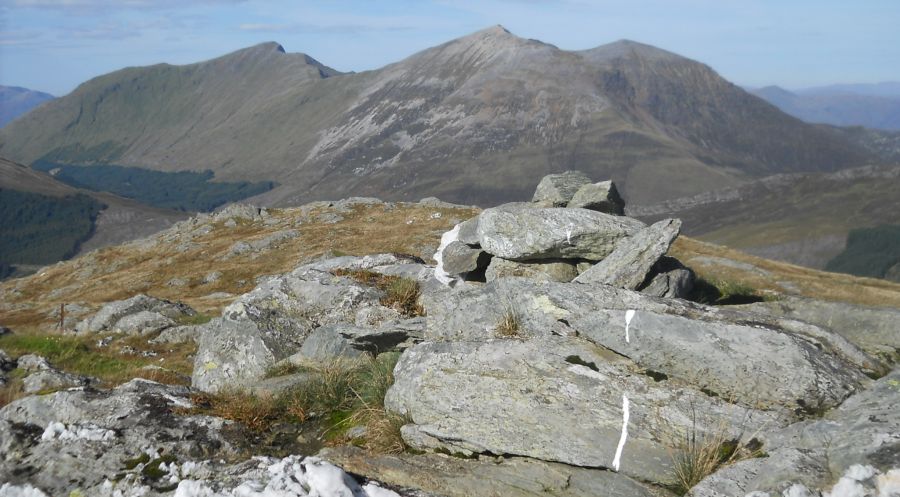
[(618, 459)]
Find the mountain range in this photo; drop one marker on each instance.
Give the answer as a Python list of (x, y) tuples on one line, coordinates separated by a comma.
[(16, 101), (473, 121), (840, 106)]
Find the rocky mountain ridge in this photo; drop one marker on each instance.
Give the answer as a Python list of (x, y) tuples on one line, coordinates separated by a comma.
[(468, 121), (550, 364)]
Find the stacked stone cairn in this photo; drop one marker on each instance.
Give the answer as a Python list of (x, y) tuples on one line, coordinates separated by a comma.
[(572, 230)]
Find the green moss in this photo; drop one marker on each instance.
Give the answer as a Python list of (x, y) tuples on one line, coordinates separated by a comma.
[(194, 320), (130, 464)]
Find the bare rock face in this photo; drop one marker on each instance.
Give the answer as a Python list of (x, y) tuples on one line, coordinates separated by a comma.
[(273, 322), (108, 317), (714, 349), (874, 329), (552, 398), (633, 258), (549, 270), (459, 258), (534, 234), (556, 190), (856, 441), (602, 197), (449, 476)]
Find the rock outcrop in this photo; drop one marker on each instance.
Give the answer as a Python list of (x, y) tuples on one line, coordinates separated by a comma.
[(273, 321)]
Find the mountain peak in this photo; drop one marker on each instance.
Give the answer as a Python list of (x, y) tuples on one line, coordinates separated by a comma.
[(622, 49)]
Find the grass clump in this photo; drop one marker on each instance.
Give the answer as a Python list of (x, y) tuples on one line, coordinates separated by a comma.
[(336, 395), (109, 364), (400, 294), (724, 292), (195, 319), (698, 453), (510, 324)]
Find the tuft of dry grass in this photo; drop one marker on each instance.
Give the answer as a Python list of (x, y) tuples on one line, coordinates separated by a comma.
[(257, 413), (697, 453), (510, 324), (400, 294)]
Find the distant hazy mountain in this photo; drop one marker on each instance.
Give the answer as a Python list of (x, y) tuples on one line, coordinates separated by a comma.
[(475, 120), (15, 101), (872, 106), (888, 89)]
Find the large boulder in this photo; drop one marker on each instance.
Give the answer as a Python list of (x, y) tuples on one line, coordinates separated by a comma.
[(711, 348), (633, 258), (109, 315), (273, 321), (555, 399), (863, 432), (874, 329), (556, 190), (51, 380), (530, 234), (602, 197)]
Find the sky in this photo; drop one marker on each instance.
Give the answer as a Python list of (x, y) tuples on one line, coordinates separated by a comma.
[(54, 45)]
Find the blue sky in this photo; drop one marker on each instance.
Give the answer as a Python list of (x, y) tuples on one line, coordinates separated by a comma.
[(53, 45)]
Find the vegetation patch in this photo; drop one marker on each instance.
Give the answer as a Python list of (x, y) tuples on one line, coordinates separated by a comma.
[(400, 294), (337, 395), (111, 364), (39, 229), (510, 324), (183, 190), (724, 292), (870, 252)]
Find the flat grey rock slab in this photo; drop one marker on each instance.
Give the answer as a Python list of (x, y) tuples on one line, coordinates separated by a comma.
[(448, 476), (549, 233), (863, 431), (554, 399), (628, 265), (778, 363), (459, 258), (874, 329)]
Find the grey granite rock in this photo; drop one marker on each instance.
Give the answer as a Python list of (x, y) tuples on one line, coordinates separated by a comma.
[(548, 270), (755, 360), (674, 284), (555, 399), (530, 234), (459, 258), (78, 439), (449, 476), (52, 379), (110, 314), (629, 264), (142, 323), (602, 197), (556, 190), (874, 329)]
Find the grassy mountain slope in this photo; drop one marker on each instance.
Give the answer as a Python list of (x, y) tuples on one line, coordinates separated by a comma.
[(474, 120), (16, 101), (839, 109), (801, 218), (872, 252), (192, 250), (81, 227)]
